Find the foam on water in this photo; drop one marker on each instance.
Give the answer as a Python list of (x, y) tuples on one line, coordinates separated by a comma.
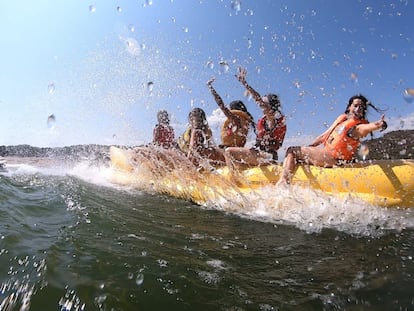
[(313, 211), (305, 208), (92, 173)]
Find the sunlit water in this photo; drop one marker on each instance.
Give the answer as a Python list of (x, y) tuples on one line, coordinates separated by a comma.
[(70, 239)]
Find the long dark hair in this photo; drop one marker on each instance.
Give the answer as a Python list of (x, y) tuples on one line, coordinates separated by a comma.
[(366, 103), (200, 112), (274, 102), (163, 117), (239, 105)]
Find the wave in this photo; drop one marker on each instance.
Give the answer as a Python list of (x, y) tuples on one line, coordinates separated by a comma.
[(310, 210)]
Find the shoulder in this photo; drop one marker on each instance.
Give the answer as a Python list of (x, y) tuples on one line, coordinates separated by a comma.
[(240, 114)]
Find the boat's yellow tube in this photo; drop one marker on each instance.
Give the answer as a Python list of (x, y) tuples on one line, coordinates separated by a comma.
[(385, 182)]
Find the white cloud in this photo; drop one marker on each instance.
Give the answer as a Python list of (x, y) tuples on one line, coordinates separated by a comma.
[(401, 123)]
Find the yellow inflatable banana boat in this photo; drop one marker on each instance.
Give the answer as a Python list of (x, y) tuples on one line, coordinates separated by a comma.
[(388, 183)]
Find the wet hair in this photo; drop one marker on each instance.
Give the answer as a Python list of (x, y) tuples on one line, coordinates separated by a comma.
[(366, 103), (163, 117), (274, 102), (239, 105), (198, 112)]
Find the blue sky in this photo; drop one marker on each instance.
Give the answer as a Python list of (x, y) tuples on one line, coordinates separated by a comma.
[(104, 68)]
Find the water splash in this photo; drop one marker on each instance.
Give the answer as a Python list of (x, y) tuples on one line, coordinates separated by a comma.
[(51, 88), (224, 67), (408, 95), (363, 151), (150, 86), (51, 121), (131, 27), (236, 5), (308, 209)]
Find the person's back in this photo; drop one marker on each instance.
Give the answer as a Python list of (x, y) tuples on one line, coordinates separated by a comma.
[(235, 128), (163, 134)]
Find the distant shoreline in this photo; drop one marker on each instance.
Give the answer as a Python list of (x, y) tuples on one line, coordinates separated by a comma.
[(393, 145)]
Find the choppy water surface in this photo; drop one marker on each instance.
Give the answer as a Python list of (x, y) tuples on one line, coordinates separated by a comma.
[(72, 240)]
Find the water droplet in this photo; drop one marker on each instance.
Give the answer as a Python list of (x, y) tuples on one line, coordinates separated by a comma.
[(363, 151), (236, 5), (249, 43), (92, 9), (150, 86), (210, 64), (131, 27), (409, 95), (403, 152), (130, 275), (224, 66), (139, 279), (185, 29), (51, 121), (247, 94), (354, 77), (148, 2), (51, 88), (162, 263), (132, 46), (118, 9)]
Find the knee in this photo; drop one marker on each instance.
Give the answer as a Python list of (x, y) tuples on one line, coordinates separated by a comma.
[(294, 151)]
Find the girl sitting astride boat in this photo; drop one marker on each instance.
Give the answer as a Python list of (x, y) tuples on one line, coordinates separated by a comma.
[(340, 141), (163, 133), (271, 130), (201, 140)]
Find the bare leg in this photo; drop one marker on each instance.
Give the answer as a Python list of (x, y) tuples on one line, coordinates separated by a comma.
[(239, 155), (308, 155)]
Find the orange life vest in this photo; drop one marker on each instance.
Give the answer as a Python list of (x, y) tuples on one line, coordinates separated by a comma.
[(338, 143), (233, 135), (163, 135), (270, 140)]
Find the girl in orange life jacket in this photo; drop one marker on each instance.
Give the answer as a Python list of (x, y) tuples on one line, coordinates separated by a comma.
[(271, 130), (340, 141), (201, 141), (163, 133), (236, 127)]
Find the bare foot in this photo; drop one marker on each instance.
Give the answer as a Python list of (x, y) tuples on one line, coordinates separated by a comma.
[(282, 183)]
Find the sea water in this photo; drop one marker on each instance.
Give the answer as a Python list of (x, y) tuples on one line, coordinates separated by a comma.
[(71, 239)]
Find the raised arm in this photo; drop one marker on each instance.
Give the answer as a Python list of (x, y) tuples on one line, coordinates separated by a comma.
[(241, 76), (219, 101)]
